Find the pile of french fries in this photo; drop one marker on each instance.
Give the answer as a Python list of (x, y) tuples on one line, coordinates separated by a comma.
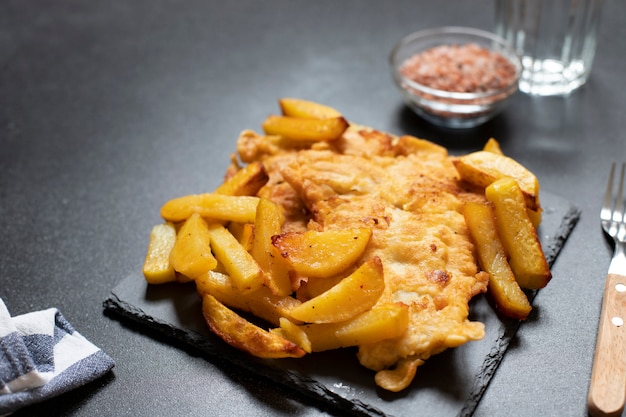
[(230, 242), (504, 227)]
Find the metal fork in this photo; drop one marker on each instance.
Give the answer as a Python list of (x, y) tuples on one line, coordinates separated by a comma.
[(607, 390)]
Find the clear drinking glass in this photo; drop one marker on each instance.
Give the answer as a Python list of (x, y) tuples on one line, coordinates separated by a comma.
[(556, 40)]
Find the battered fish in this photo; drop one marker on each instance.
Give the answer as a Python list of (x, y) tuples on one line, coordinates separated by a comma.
[(409, 193)]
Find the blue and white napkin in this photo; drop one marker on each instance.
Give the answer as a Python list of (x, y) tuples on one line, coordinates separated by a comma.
[(42, 356)]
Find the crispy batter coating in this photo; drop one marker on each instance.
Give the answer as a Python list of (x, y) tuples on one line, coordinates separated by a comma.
[(409, 193)]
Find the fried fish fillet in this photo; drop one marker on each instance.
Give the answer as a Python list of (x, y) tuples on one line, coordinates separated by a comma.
[(409, 193)]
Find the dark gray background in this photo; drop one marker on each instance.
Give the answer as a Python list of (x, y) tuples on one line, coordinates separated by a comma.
[(108, 109)]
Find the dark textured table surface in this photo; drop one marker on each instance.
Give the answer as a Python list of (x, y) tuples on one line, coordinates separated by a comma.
[(108, 109)]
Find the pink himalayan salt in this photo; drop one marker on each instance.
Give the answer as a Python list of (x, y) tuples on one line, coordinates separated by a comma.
[(466, 68)]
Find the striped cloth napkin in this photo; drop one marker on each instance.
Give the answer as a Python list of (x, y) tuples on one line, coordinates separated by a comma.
[(42, 356)]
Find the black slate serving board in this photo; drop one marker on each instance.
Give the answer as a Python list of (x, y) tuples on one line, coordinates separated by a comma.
[(450, 383)]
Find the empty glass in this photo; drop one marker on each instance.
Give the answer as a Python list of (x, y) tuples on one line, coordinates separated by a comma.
[(556, 40)]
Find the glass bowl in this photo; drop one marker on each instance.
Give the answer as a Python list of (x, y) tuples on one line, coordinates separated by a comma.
[(467, 82)]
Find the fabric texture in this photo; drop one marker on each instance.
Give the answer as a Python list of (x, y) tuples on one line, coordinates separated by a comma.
[(42, 356)]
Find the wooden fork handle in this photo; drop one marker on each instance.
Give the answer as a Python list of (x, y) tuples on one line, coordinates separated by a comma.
[(607, 390)]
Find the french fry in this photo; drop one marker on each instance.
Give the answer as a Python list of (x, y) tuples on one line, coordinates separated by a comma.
[(282, 142), (294, 107), (482, 168), (241, 334), (241, 209), (298, 128), (322, 254), (157, 268), (191, 254), (381, 322), (493, 146), (353, 295), (243, 232), (294, 333), (506, 292), (262, 303), (252, 145), (518, 234), (314, 287), (239, 264), (535, 216), (246, 182), (268, 222)]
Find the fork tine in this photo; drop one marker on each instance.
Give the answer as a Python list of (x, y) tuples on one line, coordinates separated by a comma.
[(620, 218), (607, 204), (618, 211)]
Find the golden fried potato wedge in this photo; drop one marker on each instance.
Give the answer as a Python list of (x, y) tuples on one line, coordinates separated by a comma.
[(247, 181), (294, 107), (381, 322), (262, 303), (243, 232), (283, 143), (252, 146), (241, 334), (352, 296), (157, 268), (482, 168), (535, 216), (241, 209), (239, 264), (294, 333), (313, 287), (518, 234), (268, 223), (493, 146), (322, 254), (191, 254), (506, 292), (400, 377), (298, 128)]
